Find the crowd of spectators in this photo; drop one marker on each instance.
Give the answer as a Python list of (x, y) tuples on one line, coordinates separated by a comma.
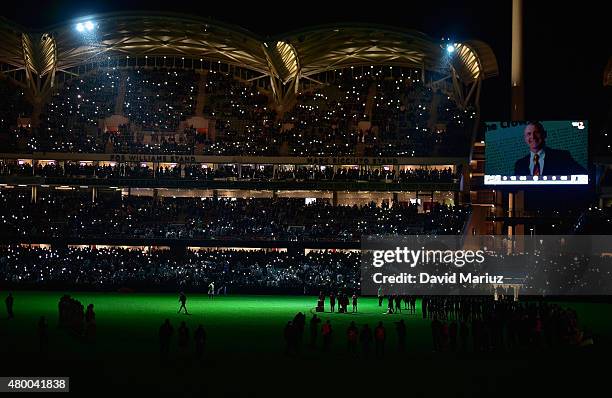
[(365, 113), (75, 318), (458, 324), (158, 99), (71, 117), (73, 214), (241, 172), (485, 324), (325, 121), (236, 271), (244, 122)]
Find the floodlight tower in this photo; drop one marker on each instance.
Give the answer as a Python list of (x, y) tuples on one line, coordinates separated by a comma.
[(517, 113), (518, 89)]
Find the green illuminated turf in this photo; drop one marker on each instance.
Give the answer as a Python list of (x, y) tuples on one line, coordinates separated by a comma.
[(234, 324), (245, 348)]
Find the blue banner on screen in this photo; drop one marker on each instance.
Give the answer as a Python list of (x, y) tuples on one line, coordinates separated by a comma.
[(536, 153)]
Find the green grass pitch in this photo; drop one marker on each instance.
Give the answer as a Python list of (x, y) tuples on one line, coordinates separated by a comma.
[(244, 335), (233, 323)]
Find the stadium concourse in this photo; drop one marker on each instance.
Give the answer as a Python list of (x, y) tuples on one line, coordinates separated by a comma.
[(242, 173)]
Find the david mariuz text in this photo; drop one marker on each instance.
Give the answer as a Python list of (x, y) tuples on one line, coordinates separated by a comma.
[(424, 277)]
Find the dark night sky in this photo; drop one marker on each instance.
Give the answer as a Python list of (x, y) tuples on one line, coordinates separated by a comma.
[(566, 48)]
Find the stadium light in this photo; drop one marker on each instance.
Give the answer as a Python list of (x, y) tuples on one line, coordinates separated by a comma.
[(85, 26), (450, 48)]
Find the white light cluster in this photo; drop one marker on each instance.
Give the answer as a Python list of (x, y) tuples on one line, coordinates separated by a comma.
[(85, 26)]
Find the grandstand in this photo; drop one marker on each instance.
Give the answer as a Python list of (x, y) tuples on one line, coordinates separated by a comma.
[(317, 121)]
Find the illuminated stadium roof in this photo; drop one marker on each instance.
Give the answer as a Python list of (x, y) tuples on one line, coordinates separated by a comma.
[(286, 57)]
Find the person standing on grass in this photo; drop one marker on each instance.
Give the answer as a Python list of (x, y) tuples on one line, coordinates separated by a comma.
[(9, 306), (345, 302), (165, 335), (390, 304), (354, 302), (183, 337), (211, 290), (326, 331), (314, 328), (90, 323), (200, 341), (380, 337), (80, 319), (183, 300), (332, 301), (380, 296), (464, 332), (90, 315), (289, 335), (299, 324), (366, 340), (401, 335), (43, 335), (352, 335), (436, 333), (452, 334)]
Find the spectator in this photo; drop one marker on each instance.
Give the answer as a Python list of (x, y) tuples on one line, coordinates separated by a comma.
[(380, 337)]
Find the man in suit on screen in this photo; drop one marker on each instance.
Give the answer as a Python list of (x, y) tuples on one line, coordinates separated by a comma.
[(543, 160)]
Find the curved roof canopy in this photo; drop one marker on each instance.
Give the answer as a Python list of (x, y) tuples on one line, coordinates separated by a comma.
[(286, 57)]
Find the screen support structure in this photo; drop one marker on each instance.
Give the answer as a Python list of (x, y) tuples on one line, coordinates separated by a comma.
[(516, 201)]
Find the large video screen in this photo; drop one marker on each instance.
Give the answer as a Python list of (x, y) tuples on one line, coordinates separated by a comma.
[(536, 153)]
